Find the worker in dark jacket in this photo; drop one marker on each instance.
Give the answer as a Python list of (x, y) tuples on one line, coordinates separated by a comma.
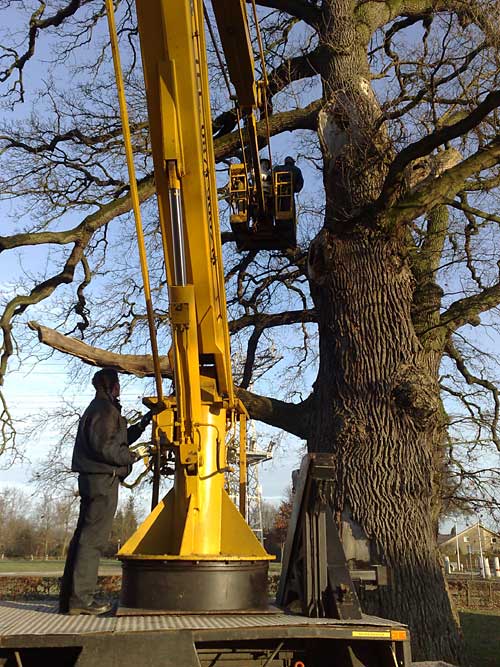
[(297, 178), (102, 458)]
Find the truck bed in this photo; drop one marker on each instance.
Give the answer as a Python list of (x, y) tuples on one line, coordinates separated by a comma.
[(34, 634)]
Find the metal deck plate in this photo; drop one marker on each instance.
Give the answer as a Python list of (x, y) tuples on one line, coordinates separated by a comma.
[(35, 619)]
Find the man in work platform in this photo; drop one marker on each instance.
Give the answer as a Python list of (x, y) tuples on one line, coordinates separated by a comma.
[(290, 166), (102, 458)]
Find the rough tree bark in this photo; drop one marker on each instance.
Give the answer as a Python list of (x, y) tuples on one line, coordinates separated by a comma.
[(378, 408), (377, 398)]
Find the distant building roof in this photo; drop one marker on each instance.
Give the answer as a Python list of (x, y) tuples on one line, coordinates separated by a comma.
[(445, 539)]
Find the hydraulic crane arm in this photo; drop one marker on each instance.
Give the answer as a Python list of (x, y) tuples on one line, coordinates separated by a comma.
[(232, 24), (173, 52), (196, 521)]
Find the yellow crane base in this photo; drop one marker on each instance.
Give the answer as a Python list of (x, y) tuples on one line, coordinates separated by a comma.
[(161, 572), (201, 586)]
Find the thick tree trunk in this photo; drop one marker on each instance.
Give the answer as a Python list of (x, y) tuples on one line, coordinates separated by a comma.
[(378, 409), (378, 404)]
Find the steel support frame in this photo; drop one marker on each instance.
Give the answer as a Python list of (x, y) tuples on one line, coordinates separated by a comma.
[(315, 575), (238, 648)]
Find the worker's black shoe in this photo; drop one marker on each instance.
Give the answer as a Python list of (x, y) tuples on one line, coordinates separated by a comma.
[(93, 609)]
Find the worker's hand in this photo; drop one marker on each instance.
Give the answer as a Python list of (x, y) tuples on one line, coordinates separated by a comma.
[(146, 419), (141, 452)]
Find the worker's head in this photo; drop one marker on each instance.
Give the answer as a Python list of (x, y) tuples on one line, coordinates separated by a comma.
[(265, 164), (289, 160), (107, 380)]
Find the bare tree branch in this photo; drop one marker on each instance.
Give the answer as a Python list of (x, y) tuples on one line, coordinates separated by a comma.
[(73, 135), (87, 227), (305, 11), (294, 69), (289, 416), (294, 418), (443, 188), (36, 24), (139, 365), (471, 379), (395, 177), (468, 309), (286, 121), (267, 320)]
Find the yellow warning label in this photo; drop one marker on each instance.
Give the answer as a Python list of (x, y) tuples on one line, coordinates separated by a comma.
[(382, 634)]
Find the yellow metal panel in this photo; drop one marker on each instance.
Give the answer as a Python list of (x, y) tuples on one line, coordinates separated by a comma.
[(186, 355), (174, 62), (232, 23), (158, 537), (155, 533), (172, 149), (237, 538), (372, 634), (203, 519)]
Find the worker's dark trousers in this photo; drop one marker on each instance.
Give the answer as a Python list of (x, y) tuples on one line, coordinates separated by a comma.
[(98, 501)]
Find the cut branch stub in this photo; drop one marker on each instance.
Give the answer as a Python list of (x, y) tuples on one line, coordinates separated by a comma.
[(135, 364), (291, 417)]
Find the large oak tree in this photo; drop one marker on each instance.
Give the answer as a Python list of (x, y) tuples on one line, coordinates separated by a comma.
[(393, 105)]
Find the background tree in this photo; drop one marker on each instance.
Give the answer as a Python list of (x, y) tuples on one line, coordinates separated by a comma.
[(124, 525), (17, 537), (393, 106), (268, 511), (42, 530), (278, 532)]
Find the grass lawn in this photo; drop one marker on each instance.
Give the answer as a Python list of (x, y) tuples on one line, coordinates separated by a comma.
[(482, 636), (51, 566)]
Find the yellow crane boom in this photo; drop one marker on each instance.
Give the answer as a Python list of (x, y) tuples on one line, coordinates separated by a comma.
[(196, 522), (232, 24), (173, 53)]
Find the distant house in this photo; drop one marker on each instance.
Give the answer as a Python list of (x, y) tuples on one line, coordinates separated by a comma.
[(468, 543)]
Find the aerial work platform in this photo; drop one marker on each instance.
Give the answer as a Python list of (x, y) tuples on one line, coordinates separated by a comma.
[(34, 634)]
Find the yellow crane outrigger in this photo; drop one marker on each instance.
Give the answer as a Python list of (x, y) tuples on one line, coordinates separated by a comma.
[(195, 551)]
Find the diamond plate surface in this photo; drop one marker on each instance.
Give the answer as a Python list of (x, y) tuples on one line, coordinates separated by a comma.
[(18, 618)]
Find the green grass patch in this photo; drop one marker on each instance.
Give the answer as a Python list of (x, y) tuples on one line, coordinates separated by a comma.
[(482, 637)]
